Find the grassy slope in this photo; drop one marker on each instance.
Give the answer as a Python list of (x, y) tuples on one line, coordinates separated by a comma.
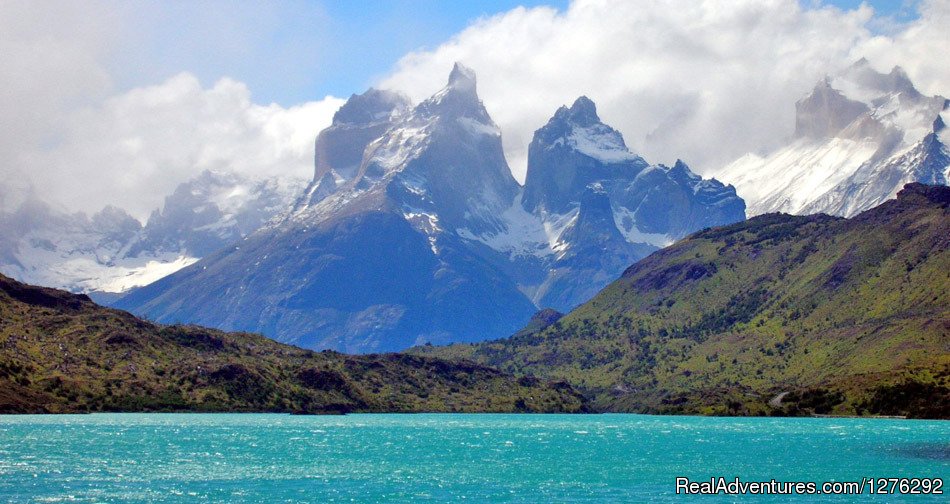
[(62, 353), (849, 316)]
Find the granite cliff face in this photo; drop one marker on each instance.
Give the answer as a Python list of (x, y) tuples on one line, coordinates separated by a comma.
[(338, 150)]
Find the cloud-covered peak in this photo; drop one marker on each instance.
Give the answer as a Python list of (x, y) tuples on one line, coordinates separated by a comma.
[(459, 98), (825, 112), (372, 106), (863, 83), (462, 77)]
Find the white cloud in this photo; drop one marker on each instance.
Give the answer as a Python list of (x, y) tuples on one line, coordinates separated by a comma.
[(69, 137), (702, 81), (920, 48), (50, 64), (134, 148)]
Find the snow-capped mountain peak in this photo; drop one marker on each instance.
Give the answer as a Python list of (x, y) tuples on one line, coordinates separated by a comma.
[(442, 158), (579, 128), (112, 252), (861, 135), (573, 150)]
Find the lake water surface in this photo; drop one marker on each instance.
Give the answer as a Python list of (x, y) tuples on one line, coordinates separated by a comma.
[(478, 458)]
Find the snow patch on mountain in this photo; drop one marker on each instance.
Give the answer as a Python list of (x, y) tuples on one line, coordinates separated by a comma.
[(426, 223), (120, 278), (71, 252), (603, 145), (476, 128), (796, 173), (626, 222), (401, 145), (524, 234)]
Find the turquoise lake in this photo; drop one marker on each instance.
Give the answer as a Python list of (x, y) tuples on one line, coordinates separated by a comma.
[(475, 458)]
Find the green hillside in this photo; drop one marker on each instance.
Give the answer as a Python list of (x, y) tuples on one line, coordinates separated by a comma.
[(61, 353), (776, 315)]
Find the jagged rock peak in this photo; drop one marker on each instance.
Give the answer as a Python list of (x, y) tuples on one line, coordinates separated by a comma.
[(595, 220), (459, 98), (583, 130), (114, 215), (595, 201), (372, 106), (582, 113), (462, 77), (899, 81), (679, 165)]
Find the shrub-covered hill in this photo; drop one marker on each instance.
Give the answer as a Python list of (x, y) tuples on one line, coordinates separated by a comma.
[(779, 314), (61, 352)]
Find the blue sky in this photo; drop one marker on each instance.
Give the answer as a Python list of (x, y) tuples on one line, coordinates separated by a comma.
[(903, 10), (294, 51), (291, 52)]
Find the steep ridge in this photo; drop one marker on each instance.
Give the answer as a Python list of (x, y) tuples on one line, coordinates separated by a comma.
[(431, 239), (860, 136), (61, 353), (849, 316)]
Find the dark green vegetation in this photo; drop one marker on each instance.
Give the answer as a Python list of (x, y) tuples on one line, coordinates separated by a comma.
[(61, 352), (779, 315)]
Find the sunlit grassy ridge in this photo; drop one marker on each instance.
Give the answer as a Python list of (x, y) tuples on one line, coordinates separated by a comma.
[(848, 316), (60, 352)]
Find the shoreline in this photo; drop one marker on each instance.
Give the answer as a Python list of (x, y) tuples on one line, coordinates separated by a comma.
[(517, 413)]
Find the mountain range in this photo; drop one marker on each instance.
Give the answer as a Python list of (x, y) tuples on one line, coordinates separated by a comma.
[(860, 136), (413, 229), (779, 314), (110, 253)]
